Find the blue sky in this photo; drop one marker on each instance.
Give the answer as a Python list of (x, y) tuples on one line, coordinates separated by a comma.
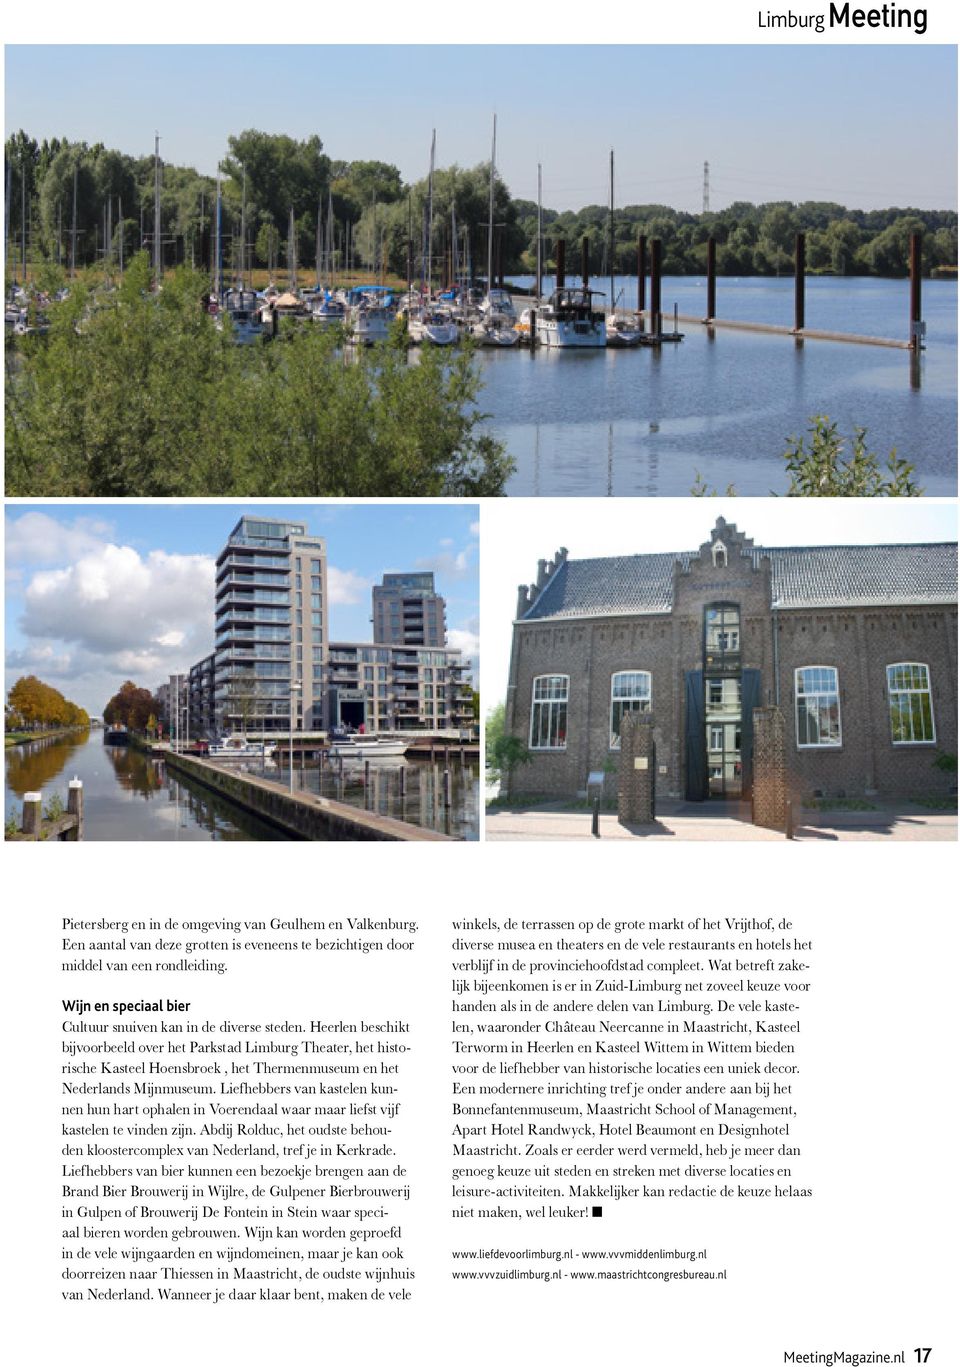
[(867, 126), (99, 593)]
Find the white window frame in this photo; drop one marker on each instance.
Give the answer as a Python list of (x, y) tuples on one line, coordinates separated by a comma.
[(642, 698), (536, 703), (818, 693), (911, 664)]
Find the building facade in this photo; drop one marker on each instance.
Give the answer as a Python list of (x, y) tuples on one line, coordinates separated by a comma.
[(273, 653), (398, 688), (408, 611), (271, 628), (856, 645)]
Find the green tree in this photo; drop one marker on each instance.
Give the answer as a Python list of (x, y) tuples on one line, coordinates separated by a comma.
[(820, 469), (492, 733), (131, 707)]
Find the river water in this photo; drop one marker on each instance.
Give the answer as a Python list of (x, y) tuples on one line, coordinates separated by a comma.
[(128, 795), (611, 422)]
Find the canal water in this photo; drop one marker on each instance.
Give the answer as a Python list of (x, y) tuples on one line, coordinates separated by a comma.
[(421, 802), (128, 795), (646, 421)]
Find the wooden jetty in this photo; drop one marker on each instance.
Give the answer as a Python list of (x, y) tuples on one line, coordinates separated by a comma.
[(68, 825)]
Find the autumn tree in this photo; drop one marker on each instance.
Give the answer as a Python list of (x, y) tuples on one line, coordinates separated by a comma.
[(131, 707)]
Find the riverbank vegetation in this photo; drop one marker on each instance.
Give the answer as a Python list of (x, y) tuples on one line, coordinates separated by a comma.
[(34, 707), (132, 707), (377, 219), (133, 392)]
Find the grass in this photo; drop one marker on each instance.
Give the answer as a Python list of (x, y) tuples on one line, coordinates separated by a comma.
[(838, 804), (935, 803)]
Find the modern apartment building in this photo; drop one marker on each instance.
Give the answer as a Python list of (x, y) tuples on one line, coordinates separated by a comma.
[(272, 631), (408, 611), (173, 701), (398, 688), (271, 628), (201, 685)]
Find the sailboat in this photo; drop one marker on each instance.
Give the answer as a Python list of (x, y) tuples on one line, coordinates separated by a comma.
[(497, 325), (622, 329), (429, 322)]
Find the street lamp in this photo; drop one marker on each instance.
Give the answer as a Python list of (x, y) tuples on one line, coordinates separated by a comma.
[(295, 687)]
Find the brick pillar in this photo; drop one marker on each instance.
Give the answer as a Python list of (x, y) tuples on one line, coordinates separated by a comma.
[(769, 768), (637, 779)]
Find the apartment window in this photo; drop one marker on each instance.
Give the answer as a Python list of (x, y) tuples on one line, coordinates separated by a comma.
[(316, 601), (629, 692), (316, 583), (548, 712), (818, 707), (911, 705), (716, 737)]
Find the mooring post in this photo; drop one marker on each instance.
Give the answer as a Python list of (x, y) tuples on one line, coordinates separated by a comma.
[(446, 787), (585, 261), (711, 279), (561, 262), (915, 319), (641, 277), (656, 314), (533, 328), (32, 816), (403, 780), (75, 806), (799, 282)]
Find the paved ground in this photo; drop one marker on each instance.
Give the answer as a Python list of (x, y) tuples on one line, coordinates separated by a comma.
[(715, 821)]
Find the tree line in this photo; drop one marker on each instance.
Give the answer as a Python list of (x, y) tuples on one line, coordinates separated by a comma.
[(33, 704), (136, 392), (73, 203)]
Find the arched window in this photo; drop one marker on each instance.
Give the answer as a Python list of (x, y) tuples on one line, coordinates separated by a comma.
[(818, 707), (629, 692), (548, 712), (911, 705), (719, 555)]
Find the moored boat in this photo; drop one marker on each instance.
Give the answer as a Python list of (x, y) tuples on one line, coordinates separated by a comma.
[(368, 747), (570, 320)]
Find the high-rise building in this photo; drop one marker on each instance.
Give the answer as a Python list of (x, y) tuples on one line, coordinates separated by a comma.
[(408, 611), (271, 628)]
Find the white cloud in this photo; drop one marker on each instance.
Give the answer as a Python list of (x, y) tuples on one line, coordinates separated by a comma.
[(38, 539), (474, 528), (346, 586), (452, 564), (110, 615), (459, 638)]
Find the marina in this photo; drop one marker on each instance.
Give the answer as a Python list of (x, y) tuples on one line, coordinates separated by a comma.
[(130, 793)]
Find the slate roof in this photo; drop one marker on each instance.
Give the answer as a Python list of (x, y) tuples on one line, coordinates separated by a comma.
[(802, 577)]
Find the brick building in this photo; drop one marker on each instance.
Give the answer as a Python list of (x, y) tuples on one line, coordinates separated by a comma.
[(855, 645)]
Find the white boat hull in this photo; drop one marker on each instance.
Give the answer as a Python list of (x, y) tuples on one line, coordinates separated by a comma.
[(560, 334), (387, 749)]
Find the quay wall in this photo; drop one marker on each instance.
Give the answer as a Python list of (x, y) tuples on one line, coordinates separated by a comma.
[(304, 815)]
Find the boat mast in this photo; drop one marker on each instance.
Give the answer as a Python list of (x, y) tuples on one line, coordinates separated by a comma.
[(613, 302), (330, 239), (218, 252), (539, 230), (73, 230), (292, 250), (433, 148), (493, 172), (157, 251), (319, 241), (243, 231)]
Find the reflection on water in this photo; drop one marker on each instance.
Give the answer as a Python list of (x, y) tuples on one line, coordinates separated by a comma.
[(126, 795), (407, 789), (725, 402)]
